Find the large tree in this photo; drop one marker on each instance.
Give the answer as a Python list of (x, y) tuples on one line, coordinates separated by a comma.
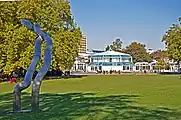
[(17, 42), (116, 45), (138, 52), (172, 39), (159, 55)]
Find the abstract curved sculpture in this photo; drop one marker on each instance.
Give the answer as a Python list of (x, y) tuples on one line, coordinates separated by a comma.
[(42, 35)]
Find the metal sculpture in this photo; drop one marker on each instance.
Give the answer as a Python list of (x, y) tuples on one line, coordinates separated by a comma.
[(42, 35)]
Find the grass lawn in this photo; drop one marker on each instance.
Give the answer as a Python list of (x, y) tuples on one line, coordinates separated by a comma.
[(100, 98)]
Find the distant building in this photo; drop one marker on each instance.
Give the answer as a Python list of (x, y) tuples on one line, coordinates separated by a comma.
[(97, 51), (81, 62), (83, 45), (110, 60)]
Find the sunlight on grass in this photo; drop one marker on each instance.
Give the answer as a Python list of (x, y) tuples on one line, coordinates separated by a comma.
[(101, 97)]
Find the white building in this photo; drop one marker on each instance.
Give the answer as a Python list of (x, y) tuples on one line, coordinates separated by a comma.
[(81, 62), (110, 61)]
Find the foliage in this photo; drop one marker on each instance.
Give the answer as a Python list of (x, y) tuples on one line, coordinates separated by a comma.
[(16, 41), (161, 65), (159, 55), (116, 45), (108, 48), (138, 52), (172, 39)]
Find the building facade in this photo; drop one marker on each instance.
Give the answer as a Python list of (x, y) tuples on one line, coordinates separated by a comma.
[(81, 63), (83, 45), (110, 61)]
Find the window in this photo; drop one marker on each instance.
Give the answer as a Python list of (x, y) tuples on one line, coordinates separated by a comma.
[(129, 59), (137, 67), (148, 67), (131, 68), (110, 59), (95, 68), (80, 66), (144, 67), (114, 64), (124, 67), (125, 59), (92, 68), (100, 67)]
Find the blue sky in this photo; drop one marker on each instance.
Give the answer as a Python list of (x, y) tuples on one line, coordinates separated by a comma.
[(143, 21)]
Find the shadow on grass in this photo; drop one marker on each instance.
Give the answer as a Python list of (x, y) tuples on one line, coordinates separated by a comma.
[(85, 106)]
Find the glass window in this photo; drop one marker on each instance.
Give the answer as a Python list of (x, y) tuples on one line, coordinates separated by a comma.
[(144, 67), (110, 60), (148, 67), (114, 64), (100, 67), (92, 68), (137, 67), (95, 67), (80, 66), (129, 59), (124, 67), (131, 68)]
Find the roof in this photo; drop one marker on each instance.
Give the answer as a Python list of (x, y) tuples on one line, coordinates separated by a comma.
[(84, 54), (110, 63), (141, 63), (110, 53)]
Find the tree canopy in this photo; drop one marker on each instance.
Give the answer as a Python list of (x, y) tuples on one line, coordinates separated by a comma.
[(116, 45), (138, 52), (17, 42), (159, 55), (172, 39)]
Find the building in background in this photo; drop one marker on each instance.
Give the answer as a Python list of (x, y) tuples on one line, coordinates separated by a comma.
[(83, 45), (83, 60), (97, 51), (110, 61)]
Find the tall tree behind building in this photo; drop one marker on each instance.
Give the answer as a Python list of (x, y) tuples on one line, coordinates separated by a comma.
[(116, 45), (138, 52)]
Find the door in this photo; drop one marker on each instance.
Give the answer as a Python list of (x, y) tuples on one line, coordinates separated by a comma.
[(100, 68)]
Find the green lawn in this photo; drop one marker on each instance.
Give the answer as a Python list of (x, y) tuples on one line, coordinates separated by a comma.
[(101, 98)]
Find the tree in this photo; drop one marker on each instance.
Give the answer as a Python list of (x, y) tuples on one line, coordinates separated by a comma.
[(138, 52), (172, 39), (116, 45), (161, 65), (159, 55), (108, 48), (17, 42)]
